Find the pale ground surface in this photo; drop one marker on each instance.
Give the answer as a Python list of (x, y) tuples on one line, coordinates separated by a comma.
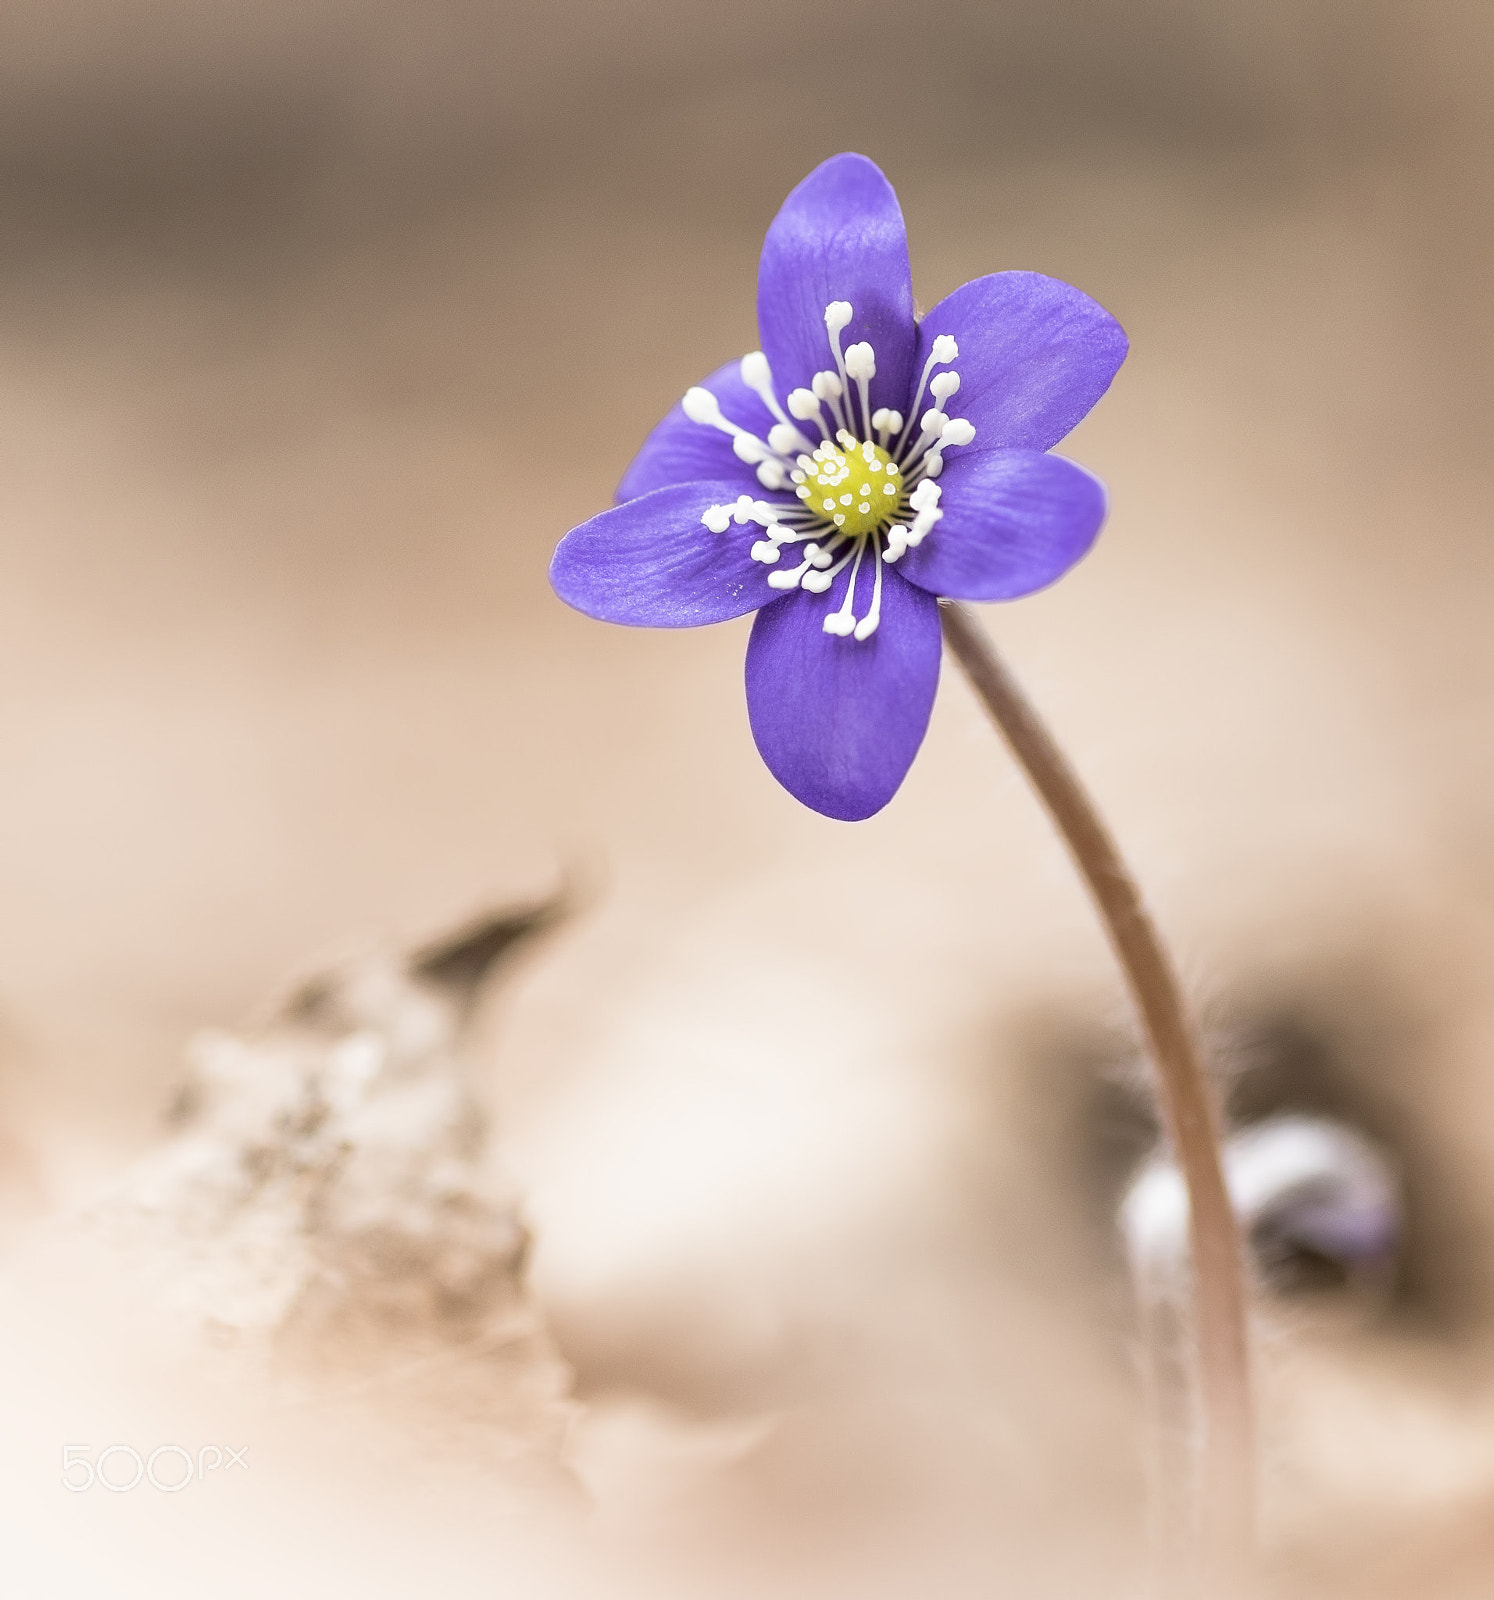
[(797, 1109)]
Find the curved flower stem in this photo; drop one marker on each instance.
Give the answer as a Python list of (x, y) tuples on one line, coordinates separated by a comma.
[(1225, 1524)]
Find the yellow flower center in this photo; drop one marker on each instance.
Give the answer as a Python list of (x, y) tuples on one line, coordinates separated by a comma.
[(857, 488)]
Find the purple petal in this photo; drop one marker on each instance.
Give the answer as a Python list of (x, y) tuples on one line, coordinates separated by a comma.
[(1035, 355), (838, 721), (1014, 520), (652, 563), (839, 236), (681, 451)]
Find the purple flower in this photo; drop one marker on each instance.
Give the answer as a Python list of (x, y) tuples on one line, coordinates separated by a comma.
[(826, 483)]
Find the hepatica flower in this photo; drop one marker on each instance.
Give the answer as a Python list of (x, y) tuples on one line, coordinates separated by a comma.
[(842, 478)]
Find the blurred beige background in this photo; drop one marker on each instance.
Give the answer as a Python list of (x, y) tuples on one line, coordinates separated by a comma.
[(320, 323)]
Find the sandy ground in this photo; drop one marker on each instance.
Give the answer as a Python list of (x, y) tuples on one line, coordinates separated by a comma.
[(802, 1112)]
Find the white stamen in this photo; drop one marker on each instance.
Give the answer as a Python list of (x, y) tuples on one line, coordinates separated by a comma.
[(700, 405), (756, 373), (925, 501), (868, 624), (861, 361), (837, 314), (828, 387), (746, 510), (943, 351), (804, 405), (957, 431), (842, 622), (943, 385), (786, 439), (861, 364), (758, 376), (765, 551), (771, 475)]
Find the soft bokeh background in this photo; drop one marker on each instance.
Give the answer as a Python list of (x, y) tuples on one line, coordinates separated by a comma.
[(319, 323)]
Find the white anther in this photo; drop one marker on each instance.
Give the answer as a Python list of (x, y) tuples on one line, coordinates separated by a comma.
[(717, 518), (756, 373), (839, 622), (786, 439), (933, 464), (932, 422), (925, 497), (748, 449), (816, 582), (771, 475), (804, 405), (837, 314), (897, 542), (944, 384), (828, 387), (701, 405), (867, 626), (785, 580), (743, 509), (861, 361), (943, 351), (957, 431), (923, 524), (765, 551), (758, 376), (818, 557)]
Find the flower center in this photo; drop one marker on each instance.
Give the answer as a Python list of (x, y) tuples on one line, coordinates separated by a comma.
[(860, 504), (855, 486)]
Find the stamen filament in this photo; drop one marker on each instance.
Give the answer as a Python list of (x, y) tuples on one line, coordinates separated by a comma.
[(837, 314), (943, 352), (868, 624), (843, 622), (758, 376)]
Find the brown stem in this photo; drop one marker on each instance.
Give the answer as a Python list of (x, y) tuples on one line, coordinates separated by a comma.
[(1227, 1486)]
